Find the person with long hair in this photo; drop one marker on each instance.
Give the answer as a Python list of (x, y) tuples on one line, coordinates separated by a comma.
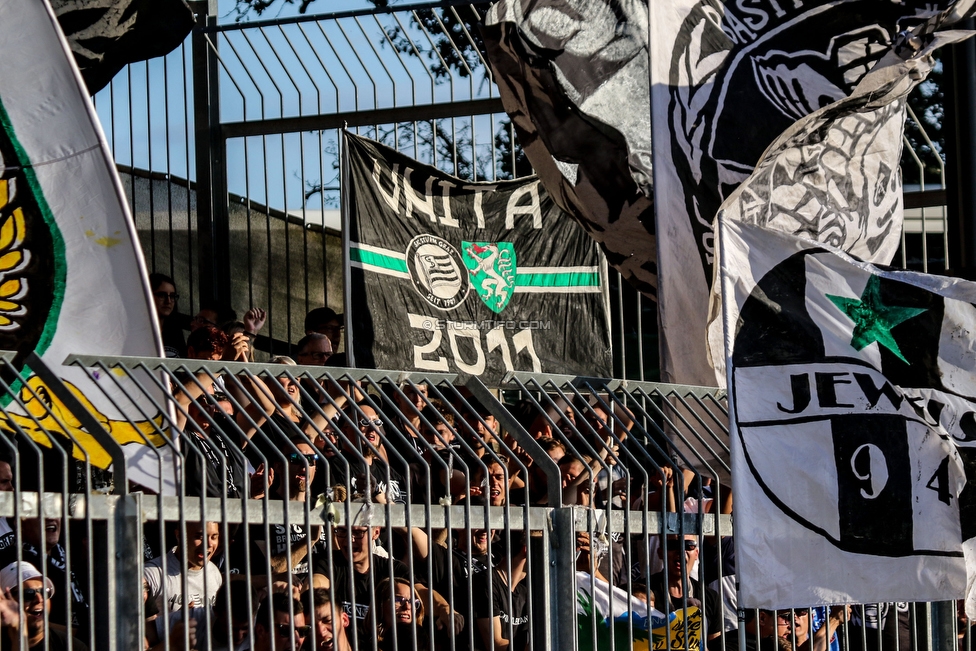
[(171, 322), (401, 617)]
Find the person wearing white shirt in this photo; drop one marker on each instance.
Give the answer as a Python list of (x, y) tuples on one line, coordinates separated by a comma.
[(164, 577)]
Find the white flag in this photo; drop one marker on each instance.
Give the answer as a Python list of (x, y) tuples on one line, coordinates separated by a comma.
[(72, 277), (728, 78), (834, 176), (853, 400)]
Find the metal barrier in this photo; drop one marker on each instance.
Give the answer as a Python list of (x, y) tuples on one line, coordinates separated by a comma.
[(552, 513), (405, 464)]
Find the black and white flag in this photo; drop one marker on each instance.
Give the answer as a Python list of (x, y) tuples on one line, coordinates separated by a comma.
[(853, 395), (833, 176), (475, 278), (729, 77), (572, 75)]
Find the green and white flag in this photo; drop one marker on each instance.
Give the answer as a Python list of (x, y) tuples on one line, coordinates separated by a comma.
[(480, 279), (72, 277)]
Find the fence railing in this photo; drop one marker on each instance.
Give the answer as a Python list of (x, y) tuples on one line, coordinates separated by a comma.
[(384, 510)]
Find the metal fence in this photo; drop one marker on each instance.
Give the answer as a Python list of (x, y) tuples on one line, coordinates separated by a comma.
[(314, 508), (248, 114)]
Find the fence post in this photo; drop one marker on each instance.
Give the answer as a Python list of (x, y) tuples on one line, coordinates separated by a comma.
[(562, 579), (117, 547), (943, 626), (557, 627), (213, 223)]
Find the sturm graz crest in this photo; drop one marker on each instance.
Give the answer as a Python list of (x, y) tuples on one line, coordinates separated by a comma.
[(437, 271), (844, 418), (742, 74), (491, 266)]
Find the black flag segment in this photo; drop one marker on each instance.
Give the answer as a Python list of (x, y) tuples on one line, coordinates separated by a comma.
[(777, 328), (479, 279), (108, 35), (874, 480)]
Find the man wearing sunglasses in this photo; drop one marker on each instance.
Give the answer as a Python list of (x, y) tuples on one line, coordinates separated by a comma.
[(313, 350), (42, 546), (294, 472), (280, 624), (682, 588), (371, 472), (34, 594)]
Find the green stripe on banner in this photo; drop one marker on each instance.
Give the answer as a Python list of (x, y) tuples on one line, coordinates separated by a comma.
[(377, 260), (557, 280)]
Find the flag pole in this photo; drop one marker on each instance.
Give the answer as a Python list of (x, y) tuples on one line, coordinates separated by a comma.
[(344, 209), (727, 294)]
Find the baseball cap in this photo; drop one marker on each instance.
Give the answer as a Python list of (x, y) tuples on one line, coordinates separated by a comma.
[(319, 317), (8, 576)]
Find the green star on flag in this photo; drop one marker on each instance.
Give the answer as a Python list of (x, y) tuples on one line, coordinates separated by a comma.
[(873, 320)]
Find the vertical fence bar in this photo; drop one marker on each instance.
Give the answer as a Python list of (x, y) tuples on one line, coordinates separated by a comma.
[(213, 227), (125, 595), (943, 626), (562, 580)]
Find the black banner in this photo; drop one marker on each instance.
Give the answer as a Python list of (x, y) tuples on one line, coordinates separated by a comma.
[(109, 35), (453, 276)]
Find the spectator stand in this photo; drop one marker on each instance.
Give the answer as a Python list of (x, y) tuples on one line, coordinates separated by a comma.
[(401, 510)]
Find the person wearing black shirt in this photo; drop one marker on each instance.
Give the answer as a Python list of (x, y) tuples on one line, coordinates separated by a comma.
[(865, 623), (209, 425), (501, 605), (455, 568), (329, 622), (684, 590), (370, 472), (402, 617), (210, 417), (356, 571), (285, 420), (289, 548)]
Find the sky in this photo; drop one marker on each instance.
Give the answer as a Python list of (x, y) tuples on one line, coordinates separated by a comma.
[(302, 69)]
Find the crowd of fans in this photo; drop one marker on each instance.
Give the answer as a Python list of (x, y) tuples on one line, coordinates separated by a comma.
[(336, 443)]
